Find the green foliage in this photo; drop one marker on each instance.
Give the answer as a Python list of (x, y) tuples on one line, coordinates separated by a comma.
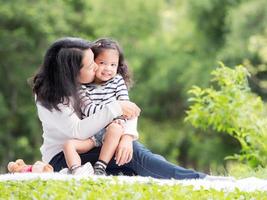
[(161, 136), (245, 41), (215, 11), (113, 189), (241, 170), (186, 147), (231, 107), (243, 21), (149, 32), (169, 45), (27, 28)]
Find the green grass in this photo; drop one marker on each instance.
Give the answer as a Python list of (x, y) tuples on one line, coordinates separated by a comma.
[(108, 189), (240, 171)]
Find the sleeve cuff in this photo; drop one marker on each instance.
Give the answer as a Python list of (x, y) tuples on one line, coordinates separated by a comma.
[(115, 109), (135, 135)]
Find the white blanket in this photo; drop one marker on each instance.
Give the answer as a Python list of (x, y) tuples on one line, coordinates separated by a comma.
[(247, 184)]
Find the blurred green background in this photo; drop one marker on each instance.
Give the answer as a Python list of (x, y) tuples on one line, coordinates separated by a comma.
[(170, 45)]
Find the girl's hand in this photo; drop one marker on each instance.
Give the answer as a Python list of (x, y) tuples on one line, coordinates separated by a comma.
[(130, 110), (124, 151)]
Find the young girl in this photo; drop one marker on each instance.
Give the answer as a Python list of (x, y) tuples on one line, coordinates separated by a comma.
[(111, 81)]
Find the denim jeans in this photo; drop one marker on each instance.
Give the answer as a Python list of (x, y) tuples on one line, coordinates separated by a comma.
[(98, 138), (143, 163)]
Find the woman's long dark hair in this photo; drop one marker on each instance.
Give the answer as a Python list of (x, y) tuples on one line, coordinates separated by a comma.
[(56, 81), (103, 44)]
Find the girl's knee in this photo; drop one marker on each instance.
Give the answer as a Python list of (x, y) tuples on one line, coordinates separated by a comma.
[(115, 129)]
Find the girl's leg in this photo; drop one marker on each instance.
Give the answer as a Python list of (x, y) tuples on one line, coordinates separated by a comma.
[(145, 163), (72, 149), (111, 140)]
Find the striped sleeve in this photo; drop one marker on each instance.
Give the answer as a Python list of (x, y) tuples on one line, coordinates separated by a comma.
[(87, 106), (121, 89)]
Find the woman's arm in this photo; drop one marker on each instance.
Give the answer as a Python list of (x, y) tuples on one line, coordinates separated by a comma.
[(130, 128), (124, 151), (68, 123)]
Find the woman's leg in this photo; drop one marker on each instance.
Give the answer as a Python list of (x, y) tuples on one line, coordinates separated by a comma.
[(58, 162), (145, 163), (72, 149)]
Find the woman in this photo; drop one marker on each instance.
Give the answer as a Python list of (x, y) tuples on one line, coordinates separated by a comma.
[(68, 62)]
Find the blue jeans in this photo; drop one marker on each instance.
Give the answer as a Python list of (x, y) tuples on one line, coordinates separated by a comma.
[(143, 163), (99, 137)]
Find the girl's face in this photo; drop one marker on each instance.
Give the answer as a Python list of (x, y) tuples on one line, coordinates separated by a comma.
[(107, 62), (89, 67)]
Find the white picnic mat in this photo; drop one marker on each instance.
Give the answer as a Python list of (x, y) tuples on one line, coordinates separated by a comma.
[(247, 184)]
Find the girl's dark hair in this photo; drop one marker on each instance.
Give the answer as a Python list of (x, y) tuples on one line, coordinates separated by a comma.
[(101, 45), (56, 80)]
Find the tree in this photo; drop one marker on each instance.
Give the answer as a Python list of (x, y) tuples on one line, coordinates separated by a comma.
[(229, 106), (246, 27)]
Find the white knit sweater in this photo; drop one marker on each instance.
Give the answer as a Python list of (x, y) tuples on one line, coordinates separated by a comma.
[(59, 126)]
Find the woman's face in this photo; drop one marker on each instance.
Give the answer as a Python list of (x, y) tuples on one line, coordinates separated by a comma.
[(87, 72)]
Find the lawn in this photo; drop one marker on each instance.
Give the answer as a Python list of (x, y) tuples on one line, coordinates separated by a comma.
[(118, 188)]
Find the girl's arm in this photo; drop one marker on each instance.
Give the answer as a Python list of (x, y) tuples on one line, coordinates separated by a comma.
[(130, 125), (88, 107), (121, 89)]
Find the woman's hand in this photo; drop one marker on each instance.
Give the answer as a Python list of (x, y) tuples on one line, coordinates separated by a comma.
[(124, 151), (130, 110)]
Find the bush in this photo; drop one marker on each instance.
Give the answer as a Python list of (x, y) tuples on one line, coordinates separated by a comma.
[(229, 106)]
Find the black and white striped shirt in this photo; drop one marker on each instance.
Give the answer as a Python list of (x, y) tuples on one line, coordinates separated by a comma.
[(94, 97)]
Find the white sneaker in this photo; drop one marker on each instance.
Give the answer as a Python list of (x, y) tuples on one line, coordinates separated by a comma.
[(219, 178), (64, 171), (85, 170)]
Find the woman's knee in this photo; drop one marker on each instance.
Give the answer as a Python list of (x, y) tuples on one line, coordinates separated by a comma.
[(138, 146), (140, 150), (160, 157), (68, 145)]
